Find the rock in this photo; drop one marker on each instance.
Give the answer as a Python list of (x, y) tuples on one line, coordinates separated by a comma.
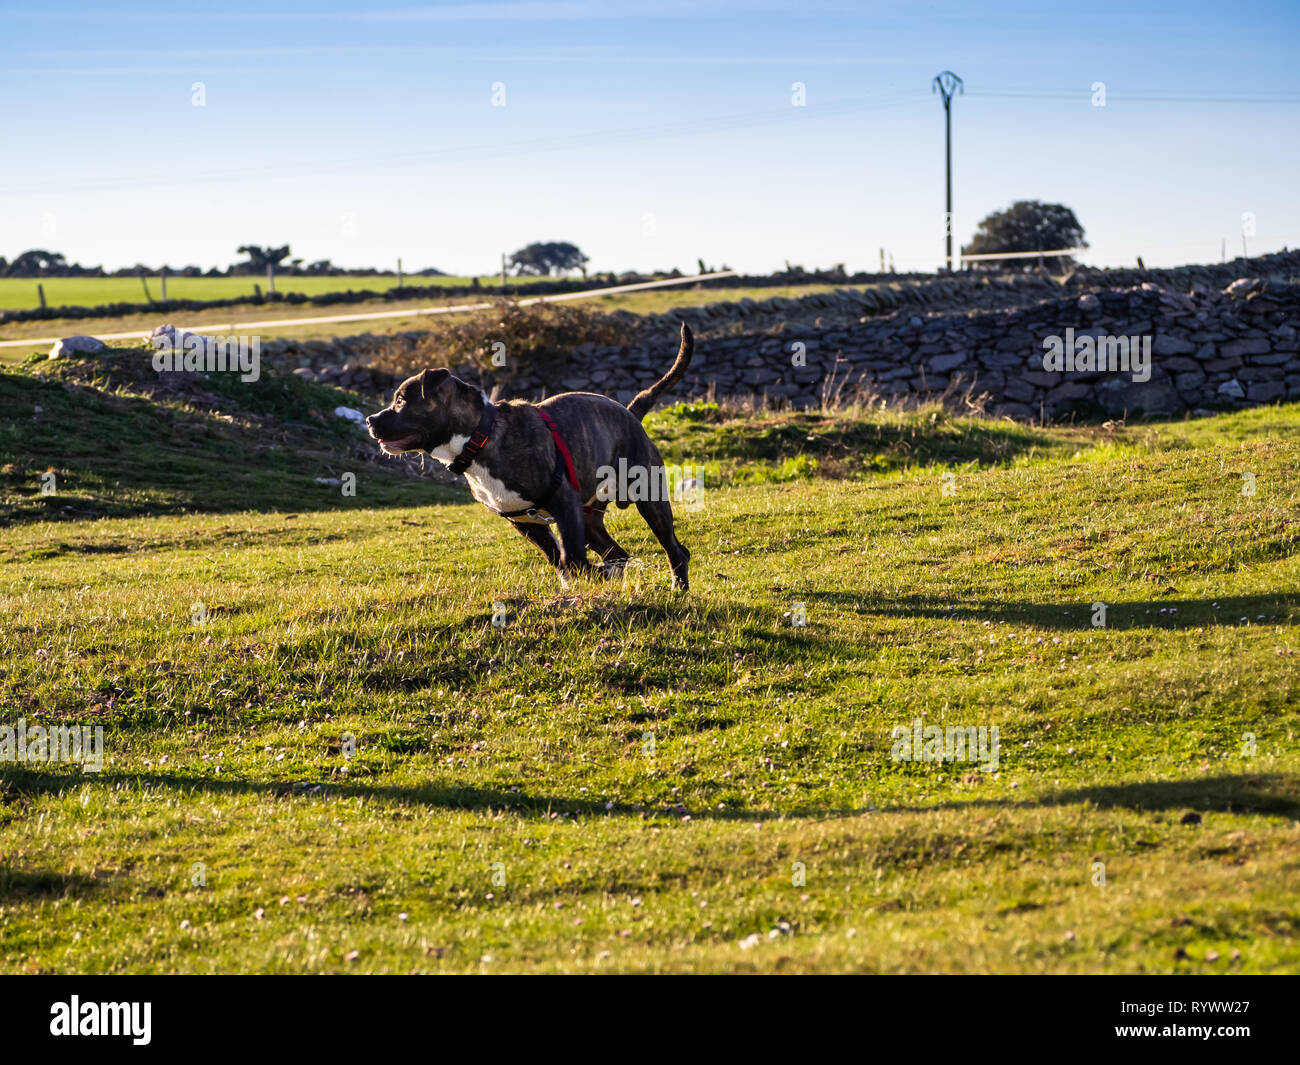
[(1235, 348), (944, 363), (77, 345), (1007, 359), (1167, 344), (1021, 412), (1067, 392), (1242, 287), (1266, 391), (1089, 303), (1120, 394), (306, 373), (993, 382), (1232, 389), (350, 414), (181, 341), (1019, 390)]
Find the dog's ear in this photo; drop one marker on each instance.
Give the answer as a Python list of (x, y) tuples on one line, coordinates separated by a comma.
[(430, 380)]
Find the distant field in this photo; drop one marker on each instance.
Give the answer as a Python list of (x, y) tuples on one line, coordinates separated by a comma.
[(218, 319), (19, 293)]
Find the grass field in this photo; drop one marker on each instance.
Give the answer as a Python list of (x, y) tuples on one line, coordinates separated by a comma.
[(619, 778), (219, 319), (19, 293)]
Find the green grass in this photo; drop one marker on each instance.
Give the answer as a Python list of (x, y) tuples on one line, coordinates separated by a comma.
[(215, 444), (619, 778), (19, 293), (219, 319)]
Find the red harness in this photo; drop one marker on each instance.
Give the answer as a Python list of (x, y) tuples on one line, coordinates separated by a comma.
[(563, 449), (563, 465)]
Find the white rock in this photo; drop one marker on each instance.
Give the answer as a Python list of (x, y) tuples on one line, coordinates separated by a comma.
[(78, 345), (350, 414), (169, 336)]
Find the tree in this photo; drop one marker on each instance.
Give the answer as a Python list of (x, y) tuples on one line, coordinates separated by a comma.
[(553, 257), (37, 263), (1027, 225), (259, 258)]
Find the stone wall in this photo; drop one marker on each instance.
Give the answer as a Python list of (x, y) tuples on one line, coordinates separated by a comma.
[(1229, 349), (1210, 349)]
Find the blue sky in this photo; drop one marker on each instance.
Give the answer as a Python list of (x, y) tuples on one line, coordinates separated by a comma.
[(651, 135)]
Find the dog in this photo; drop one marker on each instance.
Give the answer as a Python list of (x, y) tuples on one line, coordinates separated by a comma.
[(538, 464)]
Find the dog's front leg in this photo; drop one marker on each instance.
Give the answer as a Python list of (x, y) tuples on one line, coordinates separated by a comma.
[(541, 536), (573, 534)]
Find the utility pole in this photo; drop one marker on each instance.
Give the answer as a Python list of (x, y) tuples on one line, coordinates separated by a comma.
[(947, 85)]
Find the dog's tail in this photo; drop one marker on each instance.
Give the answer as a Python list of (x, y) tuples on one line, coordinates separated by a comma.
[(644, 400)]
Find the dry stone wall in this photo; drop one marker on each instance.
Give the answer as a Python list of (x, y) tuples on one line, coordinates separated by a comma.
[(1210, 349)]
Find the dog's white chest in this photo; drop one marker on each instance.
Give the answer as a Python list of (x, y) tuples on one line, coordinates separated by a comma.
[(487, 489), (491, 492)]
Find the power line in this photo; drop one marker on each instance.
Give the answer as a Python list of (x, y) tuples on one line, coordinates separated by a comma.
[(433, 157), (1226, 96)]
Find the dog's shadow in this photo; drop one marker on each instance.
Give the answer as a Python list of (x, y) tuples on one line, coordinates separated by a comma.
[(1167, 613), (1272, 794)]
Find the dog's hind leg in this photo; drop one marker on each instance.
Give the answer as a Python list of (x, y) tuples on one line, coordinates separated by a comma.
[(541, 536), (659, 516), (598, 539)]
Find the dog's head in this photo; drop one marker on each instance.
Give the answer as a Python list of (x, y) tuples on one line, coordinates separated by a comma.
[(427, 411)]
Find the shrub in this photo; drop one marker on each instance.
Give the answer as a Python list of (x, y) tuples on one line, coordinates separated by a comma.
[(533, 334)]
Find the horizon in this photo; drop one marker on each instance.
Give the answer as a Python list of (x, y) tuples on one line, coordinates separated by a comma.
[(649, 139)]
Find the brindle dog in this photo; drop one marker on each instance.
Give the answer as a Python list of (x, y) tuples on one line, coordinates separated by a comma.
[(515, 465)]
